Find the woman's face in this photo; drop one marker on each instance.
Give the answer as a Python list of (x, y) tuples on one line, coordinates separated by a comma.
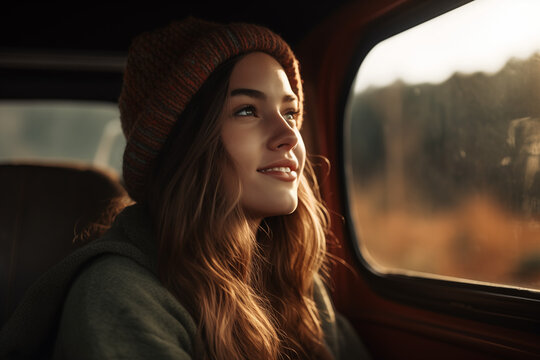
[(259, 132)]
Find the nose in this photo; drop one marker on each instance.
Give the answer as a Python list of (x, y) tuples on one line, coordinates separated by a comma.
[(284, 135)]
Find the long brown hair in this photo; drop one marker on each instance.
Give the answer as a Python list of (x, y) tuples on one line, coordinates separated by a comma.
[(252, 295)]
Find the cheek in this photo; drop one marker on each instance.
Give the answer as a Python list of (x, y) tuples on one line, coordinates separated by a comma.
[(243, 145), (243, 153), (231, 137), (300, 153)]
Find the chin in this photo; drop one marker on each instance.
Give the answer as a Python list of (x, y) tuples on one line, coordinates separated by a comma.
[(285, 210), (281, 208)]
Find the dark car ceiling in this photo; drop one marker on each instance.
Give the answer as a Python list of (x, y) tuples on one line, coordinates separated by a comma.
[(94, 27), (77, 52)]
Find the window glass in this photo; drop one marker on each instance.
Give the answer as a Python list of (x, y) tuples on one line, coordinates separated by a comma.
[(442, 146), (61, 131)]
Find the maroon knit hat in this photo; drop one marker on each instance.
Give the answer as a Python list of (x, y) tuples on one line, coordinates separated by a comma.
[(166, 67)]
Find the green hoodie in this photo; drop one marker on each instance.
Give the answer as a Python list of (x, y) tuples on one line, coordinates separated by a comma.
[(104, 301)]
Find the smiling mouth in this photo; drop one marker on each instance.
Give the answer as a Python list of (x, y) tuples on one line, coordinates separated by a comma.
[(283, 173), (282, 169)]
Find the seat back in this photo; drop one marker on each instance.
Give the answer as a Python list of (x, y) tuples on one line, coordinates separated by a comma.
[(41, 210)]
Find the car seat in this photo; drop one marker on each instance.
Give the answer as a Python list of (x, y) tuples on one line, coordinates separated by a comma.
[(43, 208)]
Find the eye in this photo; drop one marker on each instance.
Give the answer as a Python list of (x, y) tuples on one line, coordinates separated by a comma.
[(291, 117), (246, 111)]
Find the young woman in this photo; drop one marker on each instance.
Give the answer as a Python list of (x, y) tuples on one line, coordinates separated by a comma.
[(221, 255)]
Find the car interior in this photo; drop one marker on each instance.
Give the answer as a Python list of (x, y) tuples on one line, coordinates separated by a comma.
[(433, 185)]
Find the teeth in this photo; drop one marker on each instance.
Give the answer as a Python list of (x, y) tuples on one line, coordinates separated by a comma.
[(282, 169)]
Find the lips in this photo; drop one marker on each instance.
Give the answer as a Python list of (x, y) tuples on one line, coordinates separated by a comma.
[(284, 170)]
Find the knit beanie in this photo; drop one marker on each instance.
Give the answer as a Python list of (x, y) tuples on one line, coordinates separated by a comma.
[(166, 67)]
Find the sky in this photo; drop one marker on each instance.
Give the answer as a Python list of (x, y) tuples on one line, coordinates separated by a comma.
[(480, 36)]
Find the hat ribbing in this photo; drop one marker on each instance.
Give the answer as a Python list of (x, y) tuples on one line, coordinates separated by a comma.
[(166, 67)]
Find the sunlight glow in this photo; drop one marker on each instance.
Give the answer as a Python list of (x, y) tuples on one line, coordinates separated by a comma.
[(478, 37)]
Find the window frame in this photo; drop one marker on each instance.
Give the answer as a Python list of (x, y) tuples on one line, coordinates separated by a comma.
[(489, 303)]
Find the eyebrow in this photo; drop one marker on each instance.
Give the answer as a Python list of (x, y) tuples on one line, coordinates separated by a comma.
[(260, 95)]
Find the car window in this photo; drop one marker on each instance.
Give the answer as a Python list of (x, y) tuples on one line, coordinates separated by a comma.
[(442, 147), (87, 132)]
